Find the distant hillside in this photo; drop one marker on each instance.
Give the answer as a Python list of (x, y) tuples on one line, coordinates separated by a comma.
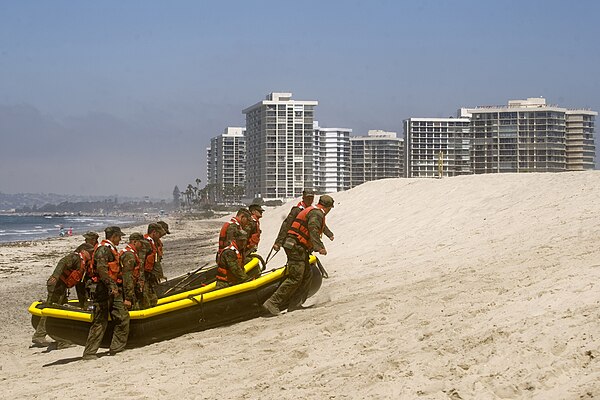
[(38, 200)]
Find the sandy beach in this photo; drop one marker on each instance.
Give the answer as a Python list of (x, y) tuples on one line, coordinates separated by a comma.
[(474, 287)]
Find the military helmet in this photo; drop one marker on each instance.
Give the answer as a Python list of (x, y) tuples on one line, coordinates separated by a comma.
[(91, 235), (136, 236), (165, 226), (326, 200)]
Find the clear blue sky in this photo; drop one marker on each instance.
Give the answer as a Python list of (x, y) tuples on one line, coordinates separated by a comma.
[(122, 97)]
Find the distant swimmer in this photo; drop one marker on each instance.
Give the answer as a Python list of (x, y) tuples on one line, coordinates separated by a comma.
[(303, 237)]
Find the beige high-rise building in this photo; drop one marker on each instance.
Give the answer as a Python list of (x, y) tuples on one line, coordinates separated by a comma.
[(581, 150), (530, 136)]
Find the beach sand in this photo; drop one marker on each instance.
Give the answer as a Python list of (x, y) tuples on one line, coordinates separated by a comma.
[(475, 287)]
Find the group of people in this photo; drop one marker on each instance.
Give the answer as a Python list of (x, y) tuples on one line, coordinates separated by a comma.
[(300, 235), (118, 281), (115, 280)]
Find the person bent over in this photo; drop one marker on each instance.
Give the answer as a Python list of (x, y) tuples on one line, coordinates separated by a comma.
[(131, 264), (230, 262), (303, 237), (151, 256), (108, 298), (68, 273)]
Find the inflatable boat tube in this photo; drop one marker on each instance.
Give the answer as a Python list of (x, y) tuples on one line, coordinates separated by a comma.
[(196, 309)]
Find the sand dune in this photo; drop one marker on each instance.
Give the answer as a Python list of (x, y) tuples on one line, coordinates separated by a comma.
[(476, 287)]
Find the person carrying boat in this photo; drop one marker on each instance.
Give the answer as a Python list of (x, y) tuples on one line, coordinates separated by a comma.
[(151, 256), (308, 196), (108, 296), (159, 272), (231, 227), (68, 272), (230, 262), (303, 237), (131, 264), (91, 238), (256, 212)]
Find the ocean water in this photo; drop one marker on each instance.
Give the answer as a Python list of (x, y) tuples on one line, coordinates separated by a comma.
[(15, 228)]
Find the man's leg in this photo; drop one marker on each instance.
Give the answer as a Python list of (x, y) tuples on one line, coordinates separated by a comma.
[(300, 295), (99, 324), (120, 316), (295, 273)]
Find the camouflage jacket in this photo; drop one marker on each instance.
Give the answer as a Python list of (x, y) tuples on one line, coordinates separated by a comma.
[(102, 257), (229, 261), (128, 262), (287, 223), (69, 262)]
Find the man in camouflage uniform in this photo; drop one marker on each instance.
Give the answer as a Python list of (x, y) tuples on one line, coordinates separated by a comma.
[(231, 227), (308, 196), (132, 270), (304, 237), (254, 231), (91, 238), (159, 268), (57, 289), (151, 264), (230, 262), (108, 297)]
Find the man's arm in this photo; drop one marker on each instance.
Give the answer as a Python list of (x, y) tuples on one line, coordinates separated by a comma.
[(128, 264), (315, 222), (328, 232), (231, 262)]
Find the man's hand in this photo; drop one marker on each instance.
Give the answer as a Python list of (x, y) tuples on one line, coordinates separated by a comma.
[(276, 247), (127, 304), (331, 238), (51, 281), (323, 251)]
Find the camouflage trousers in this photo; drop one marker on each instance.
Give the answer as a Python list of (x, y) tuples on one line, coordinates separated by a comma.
[(120, 317), (293, 291), (149, 295), (57, 293)]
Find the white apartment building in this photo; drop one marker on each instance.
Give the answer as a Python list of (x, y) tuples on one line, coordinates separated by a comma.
[(331, 159), (376, 156), (226, 165), (437, 145), (279, 133)]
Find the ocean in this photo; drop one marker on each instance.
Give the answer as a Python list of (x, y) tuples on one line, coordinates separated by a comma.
[(15, 228)]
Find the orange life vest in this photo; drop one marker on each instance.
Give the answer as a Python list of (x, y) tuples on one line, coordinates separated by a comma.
[(223, 234), (223, 274), (255, 237), (299, 227), (136, 269), (301, 205), (73, 277), (114, 267), (152, 256)]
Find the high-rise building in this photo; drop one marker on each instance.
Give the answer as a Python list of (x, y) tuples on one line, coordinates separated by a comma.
[(581, 150), (279, 134), (437, 145), (527, 136), (331, 159), (226, 165), (376, 156)]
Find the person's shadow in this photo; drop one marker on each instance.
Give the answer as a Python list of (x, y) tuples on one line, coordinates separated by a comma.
[(70, 360)]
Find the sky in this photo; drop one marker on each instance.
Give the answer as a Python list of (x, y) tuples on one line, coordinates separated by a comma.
[(122, 97)]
